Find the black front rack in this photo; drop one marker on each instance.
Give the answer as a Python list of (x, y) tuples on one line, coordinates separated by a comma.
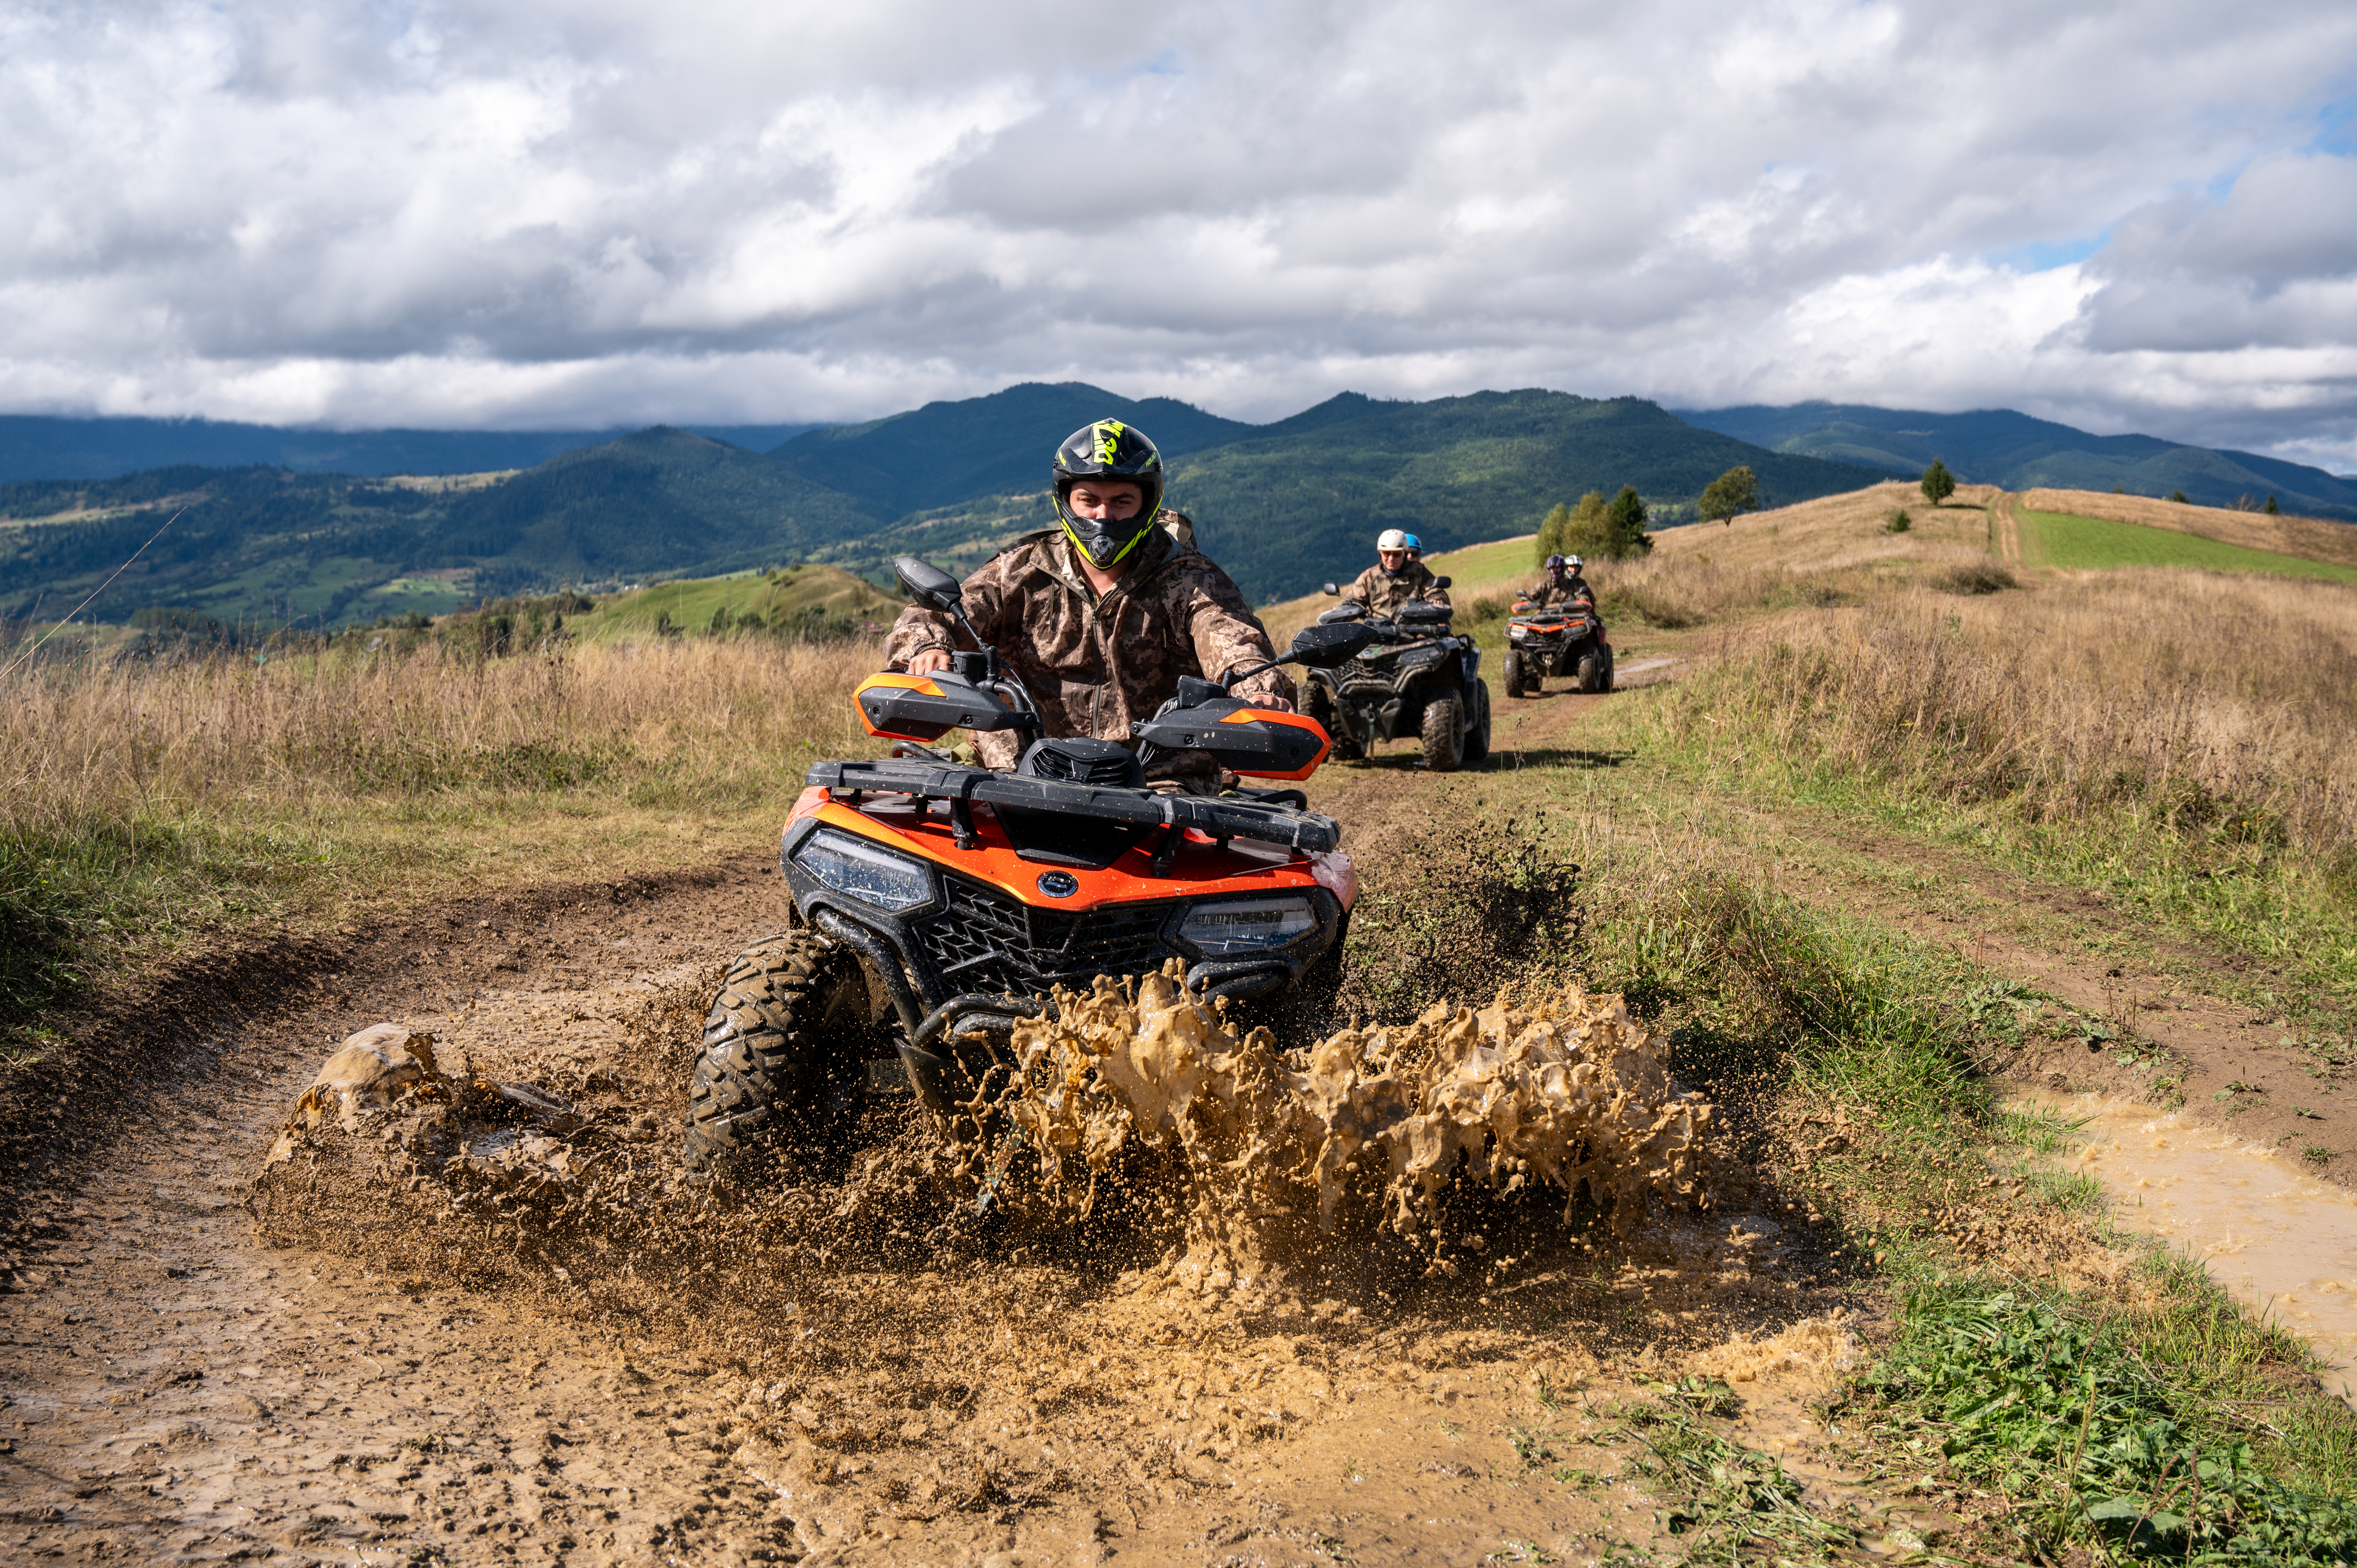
[(1218, 817)]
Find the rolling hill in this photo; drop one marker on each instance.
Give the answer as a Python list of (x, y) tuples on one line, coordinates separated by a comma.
[(1281, 505), (46, 446), (1999, 447)]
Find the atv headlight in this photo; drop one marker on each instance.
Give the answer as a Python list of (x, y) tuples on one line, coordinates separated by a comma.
[(1419, 656), (1518, 632), (1243, 926), (861, 870)]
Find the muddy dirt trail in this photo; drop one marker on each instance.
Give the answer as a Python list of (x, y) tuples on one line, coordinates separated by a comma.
[(174, 1387)]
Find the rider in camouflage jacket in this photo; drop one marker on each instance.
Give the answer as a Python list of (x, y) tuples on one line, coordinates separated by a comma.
[(1097, 664), (1561, 585), (1384, 587)]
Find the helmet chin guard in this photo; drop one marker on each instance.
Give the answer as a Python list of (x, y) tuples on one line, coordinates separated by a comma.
[(1109, 452)]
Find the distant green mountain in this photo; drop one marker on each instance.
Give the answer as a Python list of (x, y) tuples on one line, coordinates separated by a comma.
[(1999, 447), (53, 446), (1303, 499), (948, 454), (1283, 506)]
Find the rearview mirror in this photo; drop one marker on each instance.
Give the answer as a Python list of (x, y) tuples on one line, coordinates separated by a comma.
[(1331, 589), (1330, 643), (1440, 582), (928, 584)]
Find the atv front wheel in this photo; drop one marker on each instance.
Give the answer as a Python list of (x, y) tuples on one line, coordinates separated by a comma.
[(1444, 745), (784, 1062), (1318, 703), (1608, 670), (1591, 673), (1513, 672), (1476, 737)]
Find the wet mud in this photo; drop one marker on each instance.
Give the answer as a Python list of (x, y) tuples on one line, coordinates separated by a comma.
[(2277, 1239), (455, 1303)]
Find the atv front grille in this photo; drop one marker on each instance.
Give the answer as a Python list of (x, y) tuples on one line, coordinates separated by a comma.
[(987, 941)]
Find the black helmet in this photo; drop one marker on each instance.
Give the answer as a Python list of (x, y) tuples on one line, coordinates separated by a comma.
[(1556, 564), (1108, 450)]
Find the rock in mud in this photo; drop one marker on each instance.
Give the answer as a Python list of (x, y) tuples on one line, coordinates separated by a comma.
[(460, 1130)]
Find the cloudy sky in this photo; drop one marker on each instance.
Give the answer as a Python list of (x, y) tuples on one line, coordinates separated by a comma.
[(2139, 215)]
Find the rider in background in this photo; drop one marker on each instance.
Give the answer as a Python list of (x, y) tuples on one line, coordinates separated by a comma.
[(1562, 584), (1396, 578)]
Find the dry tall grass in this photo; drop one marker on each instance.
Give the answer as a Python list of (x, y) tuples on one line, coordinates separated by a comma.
[(2223, 705), (91, 744), (1835, 550), (138, 797)]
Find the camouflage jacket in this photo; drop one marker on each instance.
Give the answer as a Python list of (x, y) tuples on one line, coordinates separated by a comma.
[(1383, 593), (1550, 593), (1094, 665)]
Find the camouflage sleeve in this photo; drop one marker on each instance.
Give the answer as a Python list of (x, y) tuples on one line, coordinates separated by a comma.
[(1226, 634), (1361, 589), (919, 628)]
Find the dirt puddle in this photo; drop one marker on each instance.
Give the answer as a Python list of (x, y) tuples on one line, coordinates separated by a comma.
[(533, 1344), (2281, 1241)]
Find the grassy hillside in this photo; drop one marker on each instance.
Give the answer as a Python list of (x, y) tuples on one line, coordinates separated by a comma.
[(2073, 543), (2002, 448), (814, 603), (2309, 537)]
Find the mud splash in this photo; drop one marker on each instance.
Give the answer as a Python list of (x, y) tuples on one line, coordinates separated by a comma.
[(1565, 1093), (2275, 1238)]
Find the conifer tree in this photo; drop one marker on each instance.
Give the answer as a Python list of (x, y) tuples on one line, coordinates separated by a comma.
[(1938, 483), (1625, 524)]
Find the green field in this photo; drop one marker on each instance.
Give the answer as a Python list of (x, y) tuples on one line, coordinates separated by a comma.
[(812, 600), (2079, 543), (1482, 564)]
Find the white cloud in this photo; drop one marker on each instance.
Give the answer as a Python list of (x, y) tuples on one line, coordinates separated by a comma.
[(464, 214)]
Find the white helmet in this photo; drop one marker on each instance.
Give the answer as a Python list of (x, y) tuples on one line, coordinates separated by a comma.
[(1575, 563), (1394, 539)]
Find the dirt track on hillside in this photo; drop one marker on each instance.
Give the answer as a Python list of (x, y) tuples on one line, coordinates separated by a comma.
[(178, 1389)]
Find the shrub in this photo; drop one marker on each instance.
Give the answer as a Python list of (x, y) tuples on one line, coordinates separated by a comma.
[(1899, 522), (1977, 577)]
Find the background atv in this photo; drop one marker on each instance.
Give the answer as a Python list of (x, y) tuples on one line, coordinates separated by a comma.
[(935, 905), (1562, 640), (1416, 679)]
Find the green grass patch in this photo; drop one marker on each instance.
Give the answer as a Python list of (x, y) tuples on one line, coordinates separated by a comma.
[(820, 603), (2153, 1433), (2078, 544)]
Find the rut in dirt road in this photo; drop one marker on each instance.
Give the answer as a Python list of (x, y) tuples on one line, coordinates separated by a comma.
[(176, 1388)]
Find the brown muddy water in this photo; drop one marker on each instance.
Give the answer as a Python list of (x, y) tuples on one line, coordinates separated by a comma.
[(491, 1325), (2282, 1241)]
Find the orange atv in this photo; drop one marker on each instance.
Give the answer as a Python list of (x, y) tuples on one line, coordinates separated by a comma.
[(936, 904), (1560, 640)]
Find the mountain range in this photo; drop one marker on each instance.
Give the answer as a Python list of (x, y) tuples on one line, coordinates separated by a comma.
[(1999, 447), (282, 540), (1282, 505), (51, 446)]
